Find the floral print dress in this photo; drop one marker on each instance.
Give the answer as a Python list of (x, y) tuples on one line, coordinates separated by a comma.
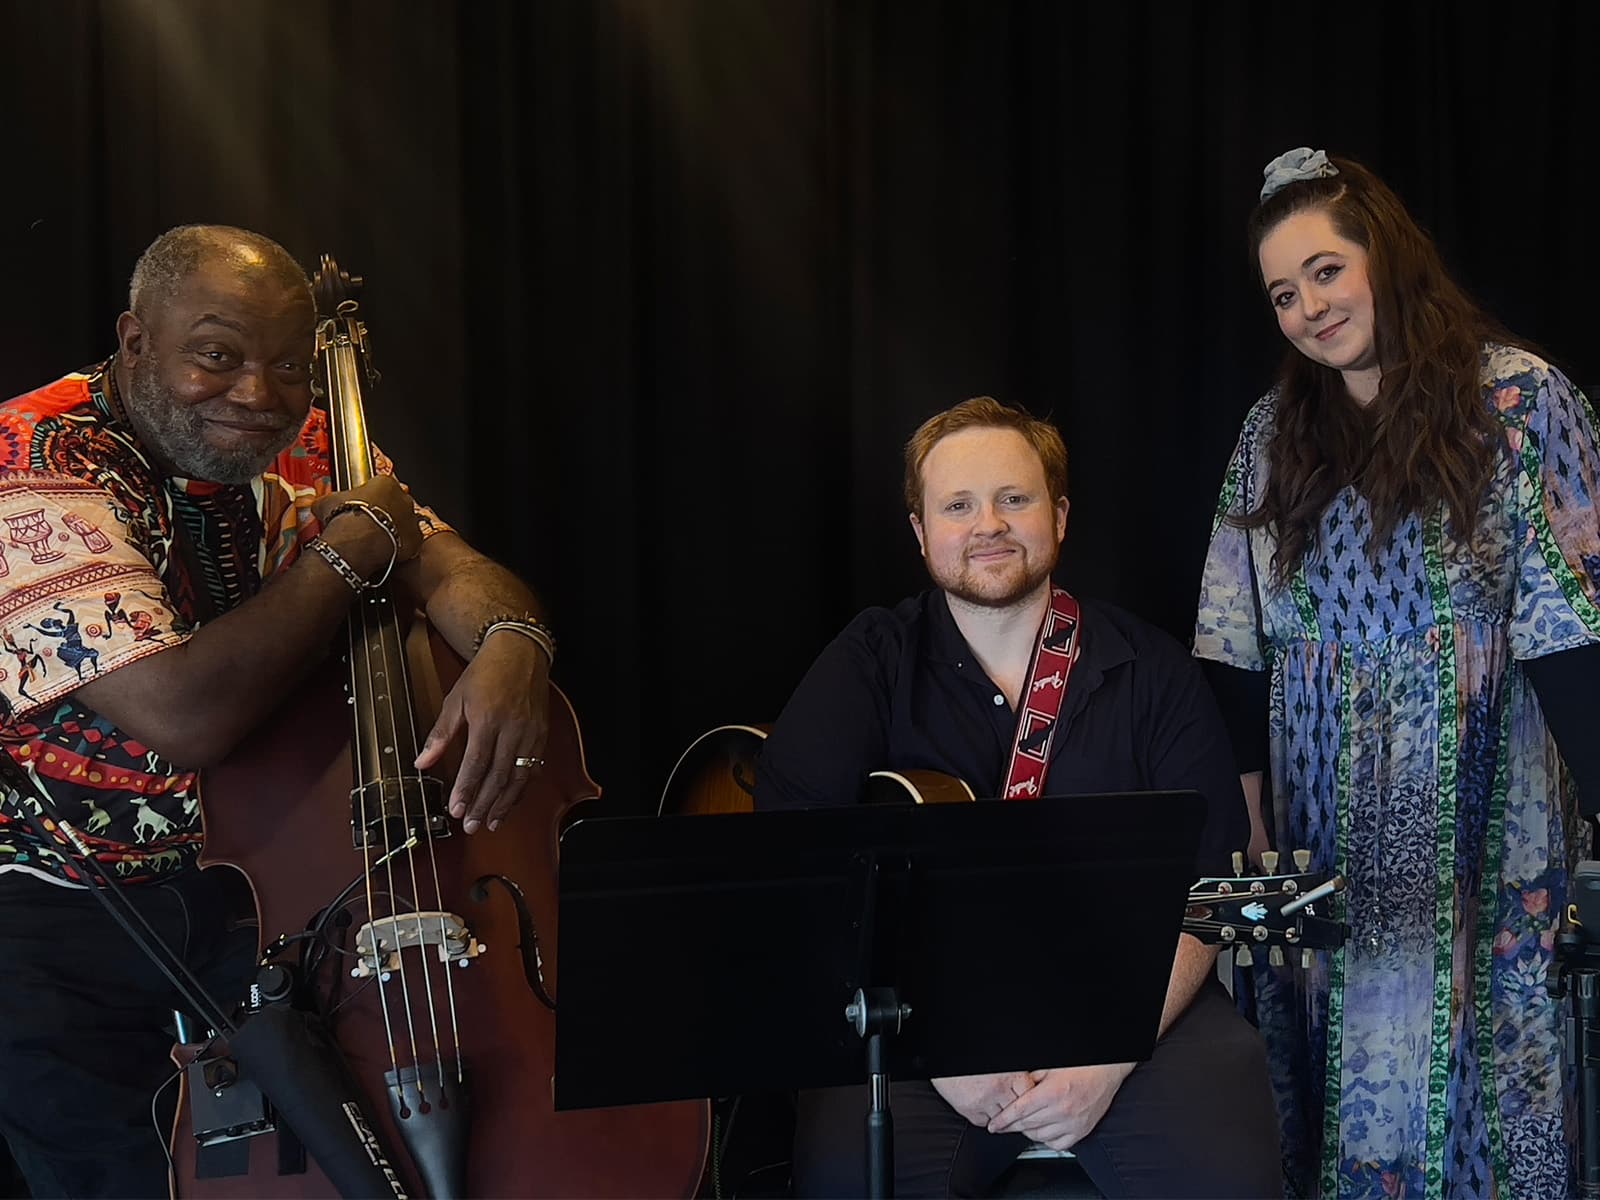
[(1409, 753)]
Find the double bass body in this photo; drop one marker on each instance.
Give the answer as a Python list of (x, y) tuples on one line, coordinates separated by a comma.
[(430, 954)]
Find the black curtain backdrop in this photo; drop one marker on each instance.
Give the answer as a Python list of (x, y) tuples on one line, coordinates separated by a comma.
[(659, 287)]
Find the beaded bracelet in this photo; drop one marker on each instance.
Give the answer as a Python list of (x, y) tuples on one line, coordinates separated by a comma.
[(530, 627), (339, 563), (384, 522)]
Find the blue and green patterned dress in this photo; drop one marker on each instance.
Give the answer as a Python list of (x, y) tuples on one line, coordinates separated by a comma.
[(1409, 753)]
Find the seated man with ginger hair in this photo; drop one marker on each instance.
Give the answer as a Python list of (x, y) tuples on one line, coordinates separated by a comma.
[(935, 683)]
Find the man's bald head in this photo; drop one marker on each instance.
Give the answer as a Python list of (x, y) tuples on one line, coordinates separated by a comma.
[(177, 254)]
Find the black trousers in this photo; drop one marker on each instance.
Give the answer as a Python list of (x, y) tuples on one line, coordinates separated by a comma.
[(85, 1026), (1197, 1119)]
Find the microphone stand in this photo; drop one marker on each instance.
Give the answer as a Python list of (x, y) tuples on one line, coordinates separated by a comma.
[(291, 1058), (109, 893)]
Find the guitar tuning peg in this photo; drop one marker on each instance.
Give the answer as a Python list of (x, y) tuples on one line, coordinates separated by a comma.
[(1302, 860), (1306, 959), (1238, 862), (1275, 956), (1269, 861), (1243, 958)]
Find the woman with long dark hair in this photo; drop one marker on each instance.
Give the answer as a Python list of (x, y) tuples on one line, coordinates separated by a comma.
[(1400, 595)]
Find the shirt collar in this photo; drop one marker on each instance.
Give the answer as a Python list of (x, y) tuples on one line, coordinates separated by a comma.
[(107, 399), (1103, 645)]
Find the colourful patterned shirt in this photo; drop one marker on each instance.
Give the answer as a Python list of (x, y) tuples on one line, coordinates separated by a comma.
[(104, 560), (1409, 753)]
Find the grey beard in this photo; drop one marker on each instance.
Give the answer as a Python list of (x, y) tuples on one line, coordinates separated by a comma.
[(175, 433)]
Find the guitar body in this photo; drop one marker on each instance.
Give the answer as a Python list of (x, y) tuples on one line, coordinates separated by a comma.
[(918, 787), (280, 812), (717, 773)]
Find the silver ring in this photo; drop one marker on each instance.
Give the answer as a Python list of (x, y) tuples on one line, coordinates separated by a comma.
[(526, 761)]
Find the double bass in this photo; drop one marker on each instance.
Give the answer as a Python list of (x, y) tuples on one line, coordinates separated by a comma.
[(428, 955)]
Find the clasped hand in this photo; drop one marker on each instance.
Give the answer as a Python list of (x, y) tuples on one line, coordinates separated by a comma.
[(382, 492), (1057, 1107)]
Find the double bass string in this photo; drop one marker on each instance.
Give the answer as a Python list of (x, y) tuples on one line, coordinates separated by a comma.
[(392, 644), (343, 465), (377, 620), (438, 891), (372, 913), (368, 631)]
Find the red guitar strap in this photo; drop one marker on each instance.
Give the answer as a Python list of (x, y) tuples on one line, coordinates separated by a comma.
[(1042, 697)]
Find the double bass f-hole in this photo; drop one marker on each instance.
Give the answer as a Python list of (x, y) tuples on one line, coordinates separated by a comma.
[(532, 958)]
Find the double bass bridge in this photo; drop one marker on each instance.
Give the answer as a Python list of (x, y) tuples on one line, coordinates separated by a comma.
[(380, 943)]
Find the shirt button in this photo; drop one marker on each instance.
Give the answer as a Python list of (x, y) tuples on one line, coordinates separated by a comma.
[(999, 699)]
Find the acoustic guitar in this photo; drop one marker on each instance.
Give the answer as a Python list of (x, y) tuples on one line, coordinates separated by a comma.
[(717, 773), (1247, 913)]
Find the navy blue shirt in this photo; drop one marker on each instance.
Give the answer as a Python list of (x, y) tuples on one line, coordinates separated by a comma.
[(900, 690)]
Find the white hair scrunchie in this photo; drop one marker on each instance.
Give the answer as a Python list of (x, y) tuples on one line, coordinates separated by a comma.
[(1294, 165)]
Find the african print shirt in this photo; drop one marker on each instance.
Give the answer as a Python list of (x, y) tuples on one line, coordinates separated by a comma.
[(1409, 753), (104, 560)]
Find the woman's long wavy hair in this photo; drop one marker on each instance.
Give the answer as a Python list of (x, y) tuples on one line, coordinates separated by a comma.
[(1429, 435)]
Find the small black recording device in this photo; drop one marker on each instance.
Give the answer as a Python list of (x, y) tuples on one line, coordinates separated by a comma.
[(1578, 984)]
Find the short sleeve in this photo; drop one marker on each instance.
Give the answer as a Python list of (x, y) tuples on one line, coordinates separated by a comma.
[(835, 729), (1188, 747), (1551, 430), (1228, 624), (77, 599), (427, 520)]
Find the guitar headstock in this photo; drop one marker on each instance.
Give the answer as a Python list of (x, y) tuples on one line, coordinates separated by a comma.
[(1271, 911)]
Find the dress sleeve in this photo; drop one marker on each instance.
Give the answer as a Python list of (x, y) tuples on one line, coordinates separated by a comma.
[(1243, 697), (1551, 430), (1228, 625), (77, 598), (1564, 683)]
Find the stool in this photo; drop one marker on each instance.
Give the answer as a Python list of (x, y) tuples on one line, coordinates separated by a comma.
[(1041, 1173)]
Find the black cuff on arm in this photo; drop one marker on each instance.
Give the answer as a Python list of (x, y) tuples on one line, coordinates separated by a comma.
[(1242, 696), (1565, 684)]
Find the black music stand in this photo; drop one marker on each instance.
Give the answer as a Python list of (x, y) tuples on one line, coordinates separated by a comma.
[(708, 956)]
